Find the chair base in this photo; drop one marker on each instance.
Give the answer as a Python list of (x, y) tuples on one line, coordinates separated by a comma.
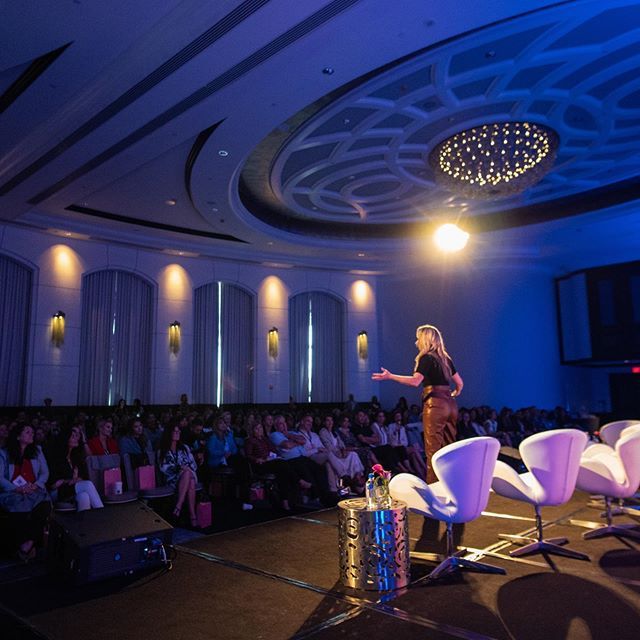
[(455, 563), (540, 544), (528, 539), (623, 530), (549, 546)]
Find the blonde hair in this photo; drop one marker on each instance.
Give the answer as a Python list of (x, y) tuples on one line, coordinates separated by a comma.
[(430, 341)]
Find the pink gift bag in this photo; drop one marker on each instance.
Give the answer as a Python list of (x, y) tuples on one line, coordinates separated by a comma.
[(203, 513), (146, 477), (110, 477)]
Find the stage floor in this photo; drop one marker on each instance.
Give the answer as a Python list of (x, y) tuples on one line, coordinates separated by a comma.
[(279, 579)]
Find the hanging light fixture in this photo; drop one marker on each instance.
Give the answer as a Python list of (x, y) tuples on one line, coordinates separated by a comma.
[(272, 342), (57, 328), (174, 337), (363, 345), (494, 160)]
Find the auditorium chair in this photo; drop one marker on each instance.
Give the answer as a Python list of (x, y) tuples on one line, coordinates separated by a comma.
[(613, 473), (610, 432), (613, 432), (553, 460), (96, 466), (464, 470)]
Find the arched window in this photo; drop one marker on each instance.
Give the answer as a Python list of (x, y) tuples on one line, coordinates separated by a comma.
[(223, 344), (15, 314), (116, 338), (316, 327)]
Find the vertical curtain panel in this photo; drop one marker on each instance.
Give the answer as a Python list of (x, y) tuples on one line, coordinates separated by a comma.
[(115, 338), (15, 314), (316, 333), (236, 331), (223, 345), (205, 343)]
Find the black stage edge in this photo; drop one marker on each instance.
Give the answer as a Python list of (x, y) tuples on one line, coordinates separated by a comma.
[(279, 579)]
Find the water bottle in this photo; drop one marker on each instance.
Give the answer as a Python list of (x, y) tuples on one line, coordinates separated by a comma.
[(370, 492)]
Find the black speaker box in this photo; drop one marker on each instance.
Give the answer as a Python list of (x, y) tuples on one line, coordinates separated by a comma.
[(113, 541)]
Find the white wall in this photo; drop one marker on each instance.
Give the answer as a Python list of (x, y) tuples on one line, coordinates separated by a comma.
[(60, 262), (499, 325)]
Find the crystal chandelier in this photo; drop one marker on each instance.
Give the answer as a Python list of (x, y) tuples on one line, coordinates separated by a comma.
[(494, 160)]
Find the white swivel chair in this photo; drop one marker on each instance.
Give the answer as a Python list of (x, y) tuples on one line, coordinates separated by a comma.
[(614, 473), (465, 470), (553, 460), (610, 432)]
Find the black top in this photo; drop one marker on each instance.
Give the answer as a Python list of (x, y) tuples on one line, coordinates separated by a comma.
[(433, 374)]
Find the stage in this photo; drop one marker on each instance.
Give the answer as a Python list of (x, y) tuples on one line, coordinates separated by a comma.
[(279, 579)]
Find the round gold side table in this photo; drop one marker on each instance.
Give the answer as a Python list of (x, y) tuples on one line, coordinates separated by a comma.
[(373, 545)]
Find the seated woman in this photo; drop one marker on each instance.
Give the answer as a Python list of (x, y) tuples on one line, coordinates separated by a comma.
[(342, 464), (351, 443), (23, 476), (261, 453), (178, 467), (103, 443), (68, 479), (136, 444)]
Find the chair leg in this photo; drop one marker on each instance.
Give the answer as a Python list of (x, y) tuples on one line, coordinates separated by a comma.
[(542, 545), (453, 561)]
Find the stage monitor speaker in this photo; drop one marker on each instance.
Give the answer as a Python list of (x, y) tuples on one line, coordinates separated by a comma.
[(113, 541)]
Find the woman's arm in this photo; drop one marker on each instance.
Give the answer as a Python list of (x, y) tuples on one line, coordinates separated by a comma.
[(5, 482), (414, 380), (457, 380), (43, 470)]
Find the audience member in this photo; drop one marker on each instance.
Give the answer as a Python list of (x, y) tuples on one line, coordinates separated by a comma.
[(411, 454), (342, 464), (69, 478), (136, 444), (262, 455), (23, 494), (103, 443), (178, 467), (351, 443), (290, 447)]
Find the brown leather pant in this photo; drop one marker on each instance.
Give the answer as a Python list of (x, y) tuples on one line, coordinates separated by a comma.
[(439, 418)]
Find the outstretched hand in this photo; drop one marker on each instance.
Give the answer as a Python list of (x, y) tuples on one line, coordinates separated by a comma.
[(383, 375)]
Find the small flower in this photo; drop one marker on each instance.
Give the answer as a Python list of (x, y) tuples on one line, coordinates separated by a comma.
[(378, 468)]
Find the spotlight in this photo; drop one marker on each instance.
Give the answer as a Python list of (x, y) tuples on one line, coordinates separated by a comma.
[(449, 237)]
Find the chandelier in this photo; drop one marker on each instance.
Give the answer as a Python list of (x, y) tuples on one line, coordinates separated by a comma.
[(494, 160)]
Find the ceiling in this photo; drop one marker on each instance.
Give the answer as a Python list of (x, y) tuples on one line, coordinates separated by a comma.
[(298, 133)]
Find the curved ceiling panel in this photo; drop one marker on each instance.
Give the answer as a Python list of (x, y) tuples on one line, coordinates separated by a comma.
[(356, 162)]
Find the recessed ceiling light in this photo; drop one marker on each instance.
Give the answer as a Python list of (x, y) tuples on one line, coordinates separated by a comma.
[(69, 234), (328, 71), (270, 243), (184, 254), (171, 202), (361, 255), (223, 153)]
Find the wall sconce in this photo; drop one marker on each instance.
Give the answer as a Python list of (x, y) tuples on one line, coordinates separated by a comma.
[(363, 345), (272, 341), (174, 337), (57, 329)]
